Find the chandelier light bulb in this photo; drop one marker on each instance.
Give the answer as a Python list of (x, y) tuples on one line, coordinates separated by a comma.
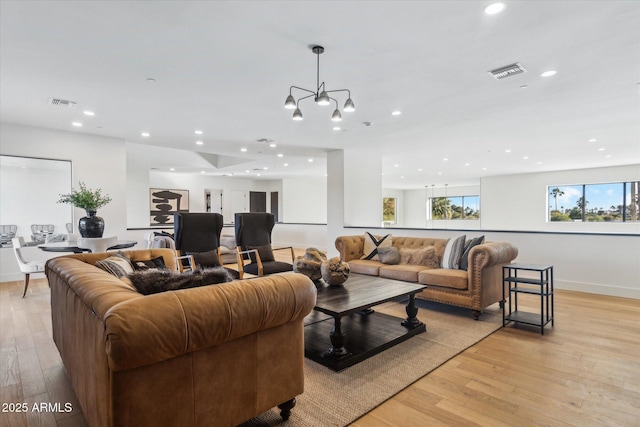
[(323, 98), (336, 116), (297, 115), (349, 106), (290, 103)]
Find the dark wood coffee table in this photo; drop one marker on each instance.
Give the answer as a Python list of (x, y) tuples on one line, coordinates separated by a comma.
[(355, 332)]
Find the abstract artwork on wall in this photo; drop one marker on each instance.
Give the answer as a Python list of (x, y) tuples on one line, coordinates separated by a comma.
[(164, 203)]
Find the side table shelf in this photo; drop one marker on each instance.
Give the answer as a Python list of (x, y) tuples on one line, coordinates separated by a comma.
[(539, 284)]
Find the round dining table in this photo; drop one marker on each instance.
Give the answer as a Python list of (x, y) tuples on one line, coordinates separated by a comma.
[(72, 246)]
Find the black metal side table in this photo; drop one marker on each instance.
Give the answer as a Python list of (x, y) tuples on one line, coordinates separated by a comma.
[(540, 283)]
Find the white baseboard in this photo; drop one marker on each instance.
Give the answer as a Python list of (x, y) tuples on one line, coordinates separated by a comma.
[(597, 288)]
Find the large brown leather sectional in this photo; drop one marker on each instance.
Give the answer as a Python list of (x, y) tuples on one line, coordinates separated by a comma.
[(213, 355), (477, 288)]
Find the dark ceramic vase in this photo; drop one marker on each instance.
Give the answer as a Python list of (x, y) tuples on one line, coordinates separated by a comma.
[(91, 225)]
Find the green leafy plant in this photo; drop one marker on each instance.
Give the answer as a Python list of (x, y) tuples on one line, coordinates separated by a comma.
[(85, 198)]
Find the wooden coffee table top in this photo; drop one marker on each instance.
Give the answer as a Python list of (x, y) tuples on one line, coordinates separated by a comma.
[(360, 292)]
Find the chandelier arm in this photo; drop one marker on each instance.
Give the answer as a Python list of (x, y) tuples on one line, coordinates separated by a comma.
[(301, 88), (305, 97), (340, 90)]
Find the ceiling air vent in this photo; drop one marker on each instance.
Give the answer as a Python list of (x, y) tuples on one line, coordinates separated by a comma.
[(507, 71), (62, 103)]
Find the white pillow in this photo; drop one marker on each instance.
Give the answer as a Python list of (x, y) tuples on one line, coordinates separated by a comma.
[(452, 253), (372, 243)]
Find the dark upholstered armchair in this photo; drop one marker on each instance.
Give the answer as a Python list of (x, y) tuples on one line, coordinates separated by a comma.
[(197, 236), (253, 237)]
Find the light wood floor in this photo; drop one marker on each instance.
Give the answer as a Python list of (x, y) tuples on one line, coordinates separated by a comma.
[(585, 371)]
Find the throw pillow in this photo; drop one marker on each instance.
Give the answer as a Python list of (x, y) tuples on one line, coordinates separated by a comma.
[(155, 281), (390, 255), (265, 252), (372, 243), (452, 253), (206, 259), (464, 259), (149, 264), (426, 256), (118, 264)]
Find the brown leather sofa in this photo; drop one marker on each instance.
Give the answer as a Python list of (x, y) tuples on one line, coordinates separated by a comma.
[(478, 287), (214, 355)]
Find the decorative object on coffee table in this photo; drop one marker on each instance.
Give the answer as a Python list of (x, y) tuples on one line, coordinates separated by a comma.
[(309, 263), (334, 271), (89, 200)]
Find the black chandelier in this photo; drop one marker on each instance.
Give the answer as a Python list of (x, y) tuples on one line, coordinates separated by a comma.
[(321, 95)]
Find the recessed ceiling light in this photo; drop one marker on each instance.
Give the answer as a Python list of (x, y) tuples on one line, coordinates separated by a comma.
[(396, 165), (310, 160), (244, 150), (494, 8), (286, 164), (272, 145), (145, 134), (608, 156), (601, 149), (258, 174), (202, 172), (89, 113), (592, 140), (484, 169), (402, 177), (539, 163), (265, 168), (445, 160), (336, 128), (172, 169), (507, 150), (439, 173), (198, 132), (280, 155), (420, 170), (396, 113), (467, 164), (199, 142), (525, 158), (77, 124), (549, 73)]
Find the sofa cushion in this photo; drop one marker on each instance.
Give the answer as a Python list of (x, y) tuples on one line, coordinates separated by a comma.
[(390, 255), (365, 266), (155, 281), (453, 252), (444, 277), (464, 259), (404, 272), (372, 243)]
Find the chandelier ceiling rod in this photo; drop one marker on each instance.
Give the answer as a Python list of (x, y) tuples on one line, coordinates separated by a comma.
[(320, 97)]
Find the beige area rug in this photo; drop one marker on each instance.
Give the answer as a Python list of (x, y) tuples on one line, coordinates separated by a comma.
[(339, 398)]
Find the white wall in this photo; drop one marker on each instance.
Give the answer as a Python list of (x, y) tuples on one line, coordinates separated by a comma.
[(519, 202), (304, 200)]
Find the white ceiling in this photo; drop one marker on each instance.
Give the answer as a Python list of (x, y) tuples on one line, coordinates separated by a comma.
[(226, 68)]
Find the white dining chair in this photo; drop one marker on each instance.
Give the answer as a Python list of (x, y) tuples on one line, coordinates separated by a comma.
[(97, 244), (27, 267)]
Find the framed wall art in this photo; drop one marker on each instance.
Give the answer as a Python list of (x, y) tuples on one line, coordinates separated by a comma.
[(164, 203)]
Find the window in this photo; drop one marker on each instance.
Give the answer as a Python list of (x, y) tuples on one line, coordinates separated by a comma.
[(389, 210), (458, 207), (612, 202)]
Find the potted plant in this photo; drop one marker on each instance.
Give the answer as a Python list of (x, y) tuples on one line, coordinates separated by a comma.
[(89, 200)]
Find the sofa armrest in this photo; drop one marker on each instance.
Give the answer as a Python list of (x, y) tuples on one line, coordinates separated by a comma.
[(162, 326), (350, 247), (491, 253), (485, 271)]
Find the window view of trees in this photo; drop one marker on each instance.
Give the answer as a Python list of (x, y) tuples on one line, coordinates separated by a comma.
[(460, 207), (612, 202), (389, 210)]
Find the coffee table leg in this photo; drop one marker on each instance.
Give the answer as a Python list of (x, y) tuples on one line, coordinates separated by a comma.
[(338, 339), (412, 311)]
